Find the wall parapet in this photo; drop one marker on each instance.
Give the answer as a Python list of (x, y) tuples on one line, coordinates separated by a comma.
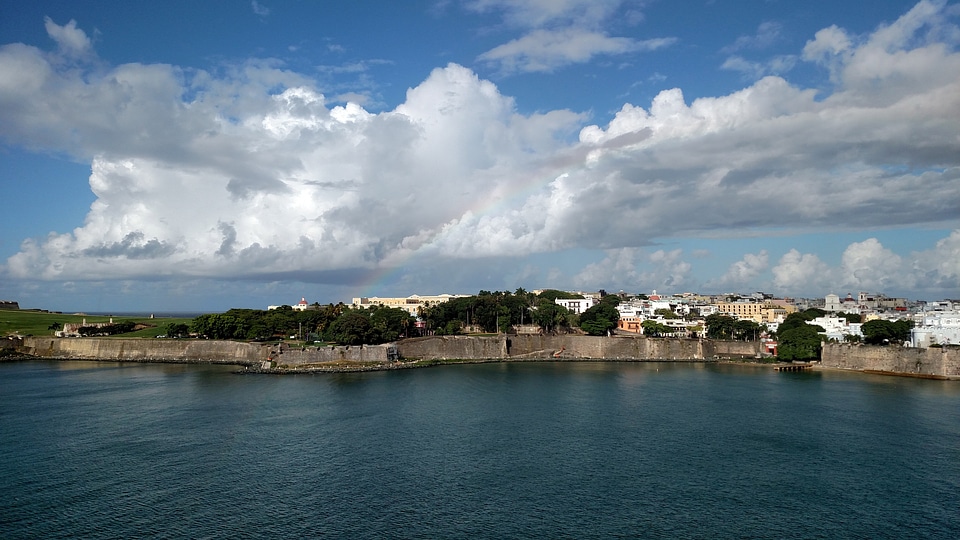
[(930, 362), (146, 350)]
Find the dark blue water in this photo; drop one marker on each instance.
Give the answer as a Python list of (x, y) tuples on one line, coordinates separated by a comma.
[(593, 450)]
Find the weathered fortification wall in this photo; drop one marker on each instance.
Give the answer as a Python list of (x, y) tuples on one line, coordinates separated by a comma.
[(571, 347), (932, 362), (937, 362), (363, 353), (146, 350), (459, 347), (198, 351)]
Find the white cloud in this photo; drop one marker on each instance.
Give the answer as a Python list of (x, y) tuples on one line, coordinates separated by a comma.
[(745, 271), (939, 268), (259, 8), (669, 272), (801, 272), (206, 175), (632, 269), (618, 269), (915, 52), (547, 50), (560, 33), (869, 266), (777, 65), (71, 40), (540, 13), (827, 44), (767, 34)]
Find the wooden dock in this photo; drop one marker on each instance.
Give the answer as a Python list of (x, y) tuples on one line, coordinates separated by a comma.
[(793, 367)]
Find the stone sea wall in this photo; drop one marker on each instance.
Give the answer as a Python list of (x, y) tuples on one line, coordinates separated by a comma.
[(572, 347), (198, 351), (146, 350), (298, 356), (931, 362), (428, 348)]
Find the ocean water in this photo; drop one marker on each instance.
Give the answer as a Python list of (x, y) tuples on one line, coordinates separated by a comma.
[(532, 450)]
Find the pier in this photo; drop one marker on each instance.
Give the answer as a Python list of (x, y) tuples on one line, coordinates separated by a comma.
[(793, 367)]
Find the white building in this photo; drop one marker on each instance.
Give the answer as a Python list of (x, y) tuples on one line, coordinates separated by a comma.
[(935, 327), (707, 309), (837, 327), (630, 309), (302, 305), (849, 304), (578, 305), (942, 305)]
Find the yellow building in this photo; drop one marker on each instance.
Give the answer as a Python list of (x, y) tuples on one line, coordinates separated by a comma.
[(411, 304), (766, 312)]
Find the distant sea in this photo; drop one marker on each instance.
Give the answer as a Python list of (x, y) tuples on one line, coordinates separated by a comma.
[(524, 450), (157, 314)]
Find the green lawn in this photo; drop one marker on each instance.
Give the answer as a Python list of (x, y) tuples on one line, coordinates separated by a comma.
[(34, 323)]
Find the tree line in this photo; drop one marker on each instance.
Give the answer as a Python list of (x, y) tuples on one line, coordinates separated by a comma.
[(335, 323), (498, 311), (107, 329)]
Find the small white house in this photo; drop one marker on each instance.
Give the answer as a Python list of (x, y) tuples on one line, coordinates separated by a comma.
[(577, 305)]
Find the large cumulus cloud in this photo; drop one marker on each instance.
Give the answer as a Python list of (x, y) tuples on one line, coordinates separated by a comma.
[(250, 171), (870, 266)]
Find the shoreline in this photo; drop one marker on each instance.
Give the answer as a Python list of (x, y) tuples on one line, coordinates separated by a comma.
[(365, 367), (254, 358), (421, 364)]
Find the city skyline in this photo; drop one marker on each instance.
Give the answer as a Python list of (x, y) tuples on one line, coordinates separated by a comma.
[(201, 157)]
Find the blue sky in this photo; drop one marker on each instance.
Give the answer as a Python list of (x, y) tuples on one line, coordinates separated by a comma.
[(176, 155)]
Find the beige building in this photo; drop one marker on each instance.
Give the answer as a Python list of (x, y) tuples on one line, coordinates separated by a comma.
[(761, 313), (411, 304)]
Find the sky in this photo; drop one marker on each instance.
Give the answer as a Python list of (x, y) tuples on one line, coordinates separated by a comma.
[(199, 156)]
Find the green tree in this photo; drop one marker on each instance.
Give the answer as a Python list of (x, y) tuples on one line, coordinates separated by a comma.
[(793, 320), (720, 326), (351, 328), (218, 326), (800, 343), (880, 332), (610, 300), (553, 294), (654, 328), (746, 330), (850, 317), (600, 319), (550, 315), (452, 328), (390, 324), (177, 330)]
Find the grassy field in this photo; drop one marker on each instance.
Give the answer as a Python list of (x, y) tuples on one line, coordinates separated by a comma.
[(35, 323)]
